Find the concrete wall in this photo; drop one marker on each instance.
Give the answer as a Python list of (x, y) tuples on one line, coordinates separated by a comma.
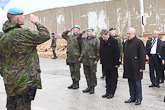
[(154, 14), (117, 13)]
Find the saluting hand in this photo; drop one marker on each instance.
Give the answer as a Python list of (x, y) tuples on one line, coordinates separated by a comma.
[(34, 18), (70, 29), (83, 32), (163, 62)]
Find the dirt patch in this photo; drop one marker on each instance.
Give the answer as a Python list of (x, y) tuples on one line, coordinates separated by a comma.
[(44, 50)]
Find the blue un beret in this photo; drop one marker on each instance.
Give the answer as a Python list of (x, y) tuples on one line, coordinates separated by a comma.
[(77, 26), (90, 28), (15, 11)]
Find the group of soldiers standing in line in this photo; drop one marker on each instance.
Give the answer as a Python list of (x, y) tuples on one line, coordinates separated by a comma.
[(88, 50), (19, 62)]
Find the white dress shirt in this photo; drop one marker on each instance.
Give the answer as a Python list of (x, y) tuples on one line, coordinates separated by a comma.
[(154, 47)]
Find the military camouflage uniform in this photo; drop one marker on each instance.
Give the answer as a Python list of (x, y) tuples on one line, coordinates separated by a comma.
[(120, 44), (90, 54), (73, 54), (19, 61), (53, 45)]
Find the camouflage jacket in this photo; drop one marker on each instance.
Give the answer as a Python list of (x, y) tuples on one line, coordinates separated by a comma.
[(18, 56), (120, 44), (90, 50), (53, 43), (73, 47)]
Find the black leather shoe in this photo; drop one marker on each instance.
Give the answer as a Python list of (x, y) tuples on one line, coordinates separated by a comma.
[(130, 100), (157, 85), (76, 85), (152, 85), (161, 81), (105, 95), (92, 90), (110, 96), (87, 89), (102, 77), (54, 58), (137, 102)]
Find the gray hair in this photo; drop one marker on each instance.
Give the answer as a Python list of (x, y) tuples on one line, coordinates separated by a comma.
[(104, 31), (133, 30)]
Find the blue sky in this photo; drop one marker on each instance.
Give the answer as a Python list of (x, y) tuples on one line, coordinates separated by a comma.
[(29, 6)]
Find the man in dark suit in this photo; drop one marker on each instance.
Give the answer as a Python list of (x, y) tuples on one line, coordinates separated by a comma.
[(134, 64), (109, 57), (153, 53)]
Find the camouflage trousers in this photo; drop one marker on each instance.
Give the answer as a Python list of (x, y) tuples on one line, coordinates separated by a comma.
[(22, 103), (75, 71), (90, 74), (54, 51)]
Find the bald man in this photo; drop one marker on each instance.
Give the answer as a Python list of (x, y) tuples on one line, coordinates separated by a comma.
[(153, 53)]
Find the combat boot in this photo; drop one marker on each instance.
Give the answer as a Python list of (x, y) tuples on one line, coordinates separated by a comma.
[(56, 57), (71, 86), (92, 90), (76, 85), (87, 89)]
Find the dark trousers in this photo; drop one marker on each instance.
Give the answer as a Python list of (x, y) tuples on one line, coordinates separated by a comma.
[(103, 70), (135, 89), (19, 103), (111, 81), (154, 64), (162, 76)]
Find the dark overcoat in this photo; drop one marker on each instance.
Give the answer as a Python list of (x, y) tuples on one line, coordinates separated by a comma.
[(134, 59), (109, 53)]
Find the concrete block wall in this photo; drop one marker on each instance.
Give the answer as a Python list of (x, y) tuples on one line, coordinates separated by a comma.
[(103, 15)]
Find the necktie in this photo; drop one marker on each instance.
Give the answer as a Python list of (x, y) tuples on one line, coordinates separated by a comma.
[(153, 42)]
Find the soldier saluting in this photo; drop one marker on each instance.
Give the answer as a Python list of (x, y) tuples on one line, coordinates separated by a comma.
[(19, 62), (89, 57), (73, 54)]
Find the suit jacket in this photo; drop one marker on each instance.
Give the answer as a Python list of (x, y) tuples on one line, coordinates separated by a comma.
[(109, 53), (148, 47)]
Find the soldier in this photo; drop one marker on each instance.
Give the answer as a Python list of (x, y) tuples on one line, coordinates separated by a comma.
[(112, 32), (73, 54), (19, 60), (53, 45), (89, 57)]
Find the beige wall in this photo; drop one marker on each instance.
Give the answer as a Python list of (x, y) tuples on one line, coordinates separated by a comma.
[(117, 13)]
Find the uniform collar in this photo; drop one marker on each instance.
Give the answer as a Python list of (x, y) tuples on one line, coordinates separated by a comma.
[(75, 34)]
